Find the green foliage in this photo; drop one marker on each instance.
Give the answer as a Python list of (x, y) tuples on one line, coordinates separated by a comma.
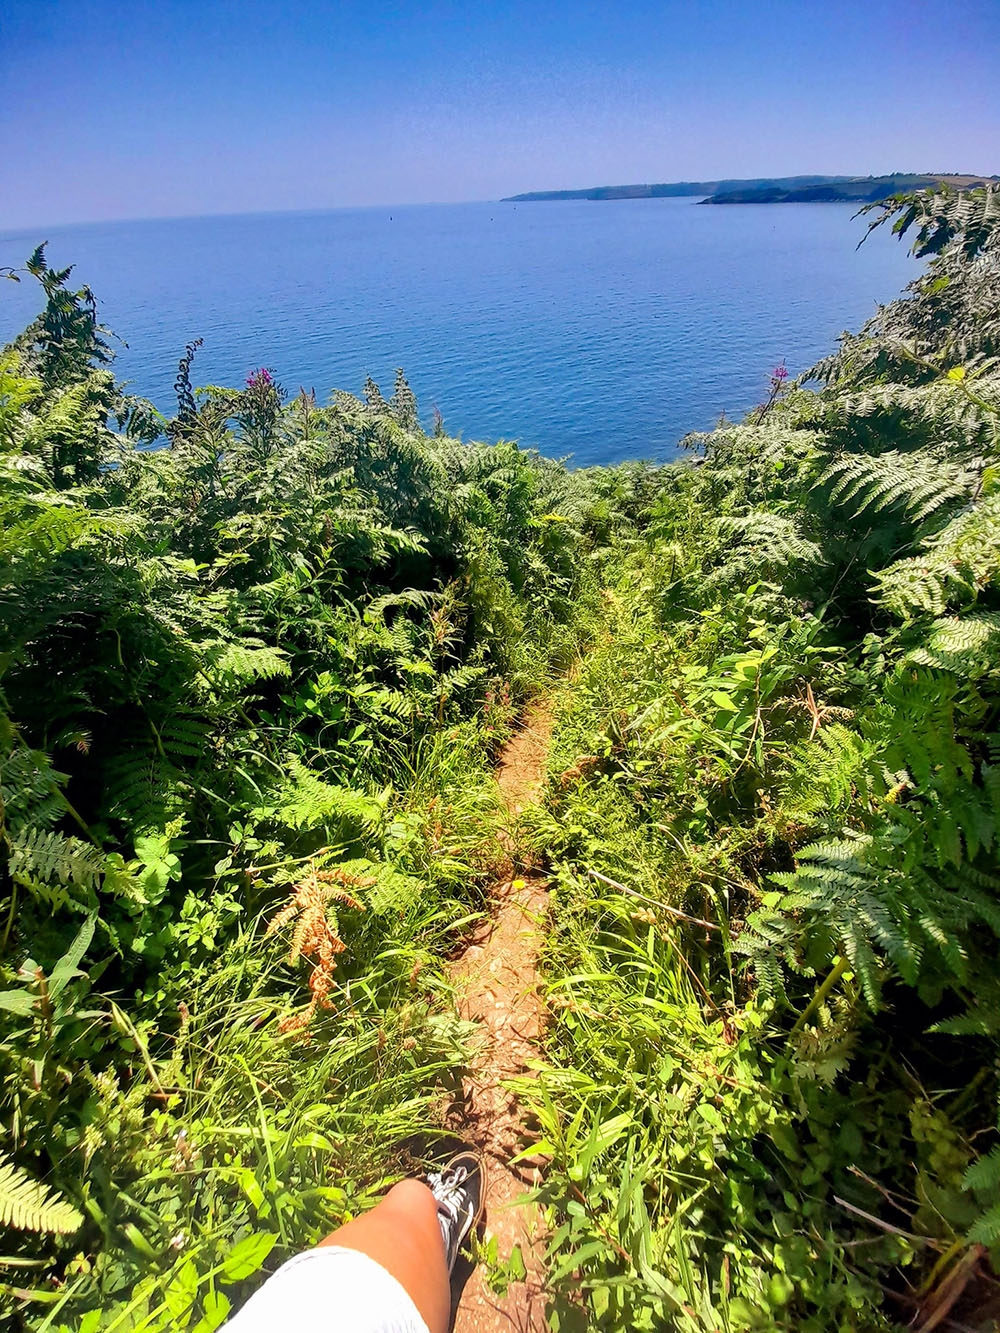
[(268, 648), (773, 812), (275, 655), (918, 484), (945, 219), (26, 1204)]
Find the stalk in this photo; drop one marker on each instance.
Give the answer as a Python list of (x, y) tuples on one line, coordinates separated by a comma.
[(832, 977)]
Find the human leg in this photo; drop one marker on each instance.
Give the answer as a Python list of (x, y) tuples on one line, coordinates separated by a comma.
[(402, 1234), (388, 1271)]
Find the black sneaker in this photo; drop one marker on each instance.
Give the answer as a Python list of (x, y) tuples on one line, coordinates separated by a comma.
[(458, 1188)]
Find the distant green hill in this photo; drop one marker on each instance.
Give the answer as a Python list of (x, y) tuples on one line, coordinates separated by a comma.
[(675, 189), (862, 189), (762, 189)]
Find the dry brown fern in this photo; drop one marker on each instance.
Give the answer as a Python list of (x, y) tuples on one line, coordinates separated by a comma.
[(315, 937)]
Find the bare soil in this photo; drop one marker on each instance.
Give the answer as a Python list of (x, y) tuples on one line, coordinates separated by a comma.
[(496, 980)]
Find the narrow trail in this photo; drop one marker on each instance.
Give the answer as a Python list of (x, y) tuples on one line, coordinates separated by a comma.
[(496, 980)]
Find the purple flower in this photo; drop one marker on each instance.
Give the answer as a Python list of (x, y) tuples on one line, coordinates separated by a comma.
[(779, 372), (260, 379)]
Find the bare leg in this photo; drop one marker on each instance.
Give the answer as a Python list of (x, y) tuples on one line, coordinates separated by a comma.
[(402, 1234)]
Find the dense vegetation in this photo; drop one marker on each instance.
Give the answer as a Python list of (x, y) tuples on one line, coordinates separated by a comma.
[(253, 680), (774, 813), (853, 189), (256, 674)]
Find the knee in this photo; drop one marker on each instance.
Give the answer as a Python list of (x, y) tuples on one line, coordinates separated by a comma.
[(412, 1197)]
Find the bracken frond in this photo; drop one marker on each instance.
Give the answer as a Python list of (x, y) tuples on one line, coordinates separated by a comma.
[(27, 1205), (315, 936)]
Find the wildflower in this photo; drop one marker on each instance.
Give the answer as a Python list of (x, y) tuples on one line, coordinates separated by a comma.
[(644, 915), (314, 936), (779, 372), (440, 626), (185, 1156), (573, 1006)]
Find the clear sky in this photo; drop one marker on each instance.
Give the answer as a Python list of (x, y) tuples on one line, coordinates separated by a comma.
[(150, 108)]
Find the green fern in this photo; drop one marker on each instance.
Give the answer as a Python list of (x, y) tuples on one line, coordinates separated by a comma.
[(837, 767), (769, 943), (142, 786), (967, 646), (415, 598), (403, 404), (235, 665), (955, 566), (43, 854), (836, 884), (918, 484), (389, 890), (761, 544), (184, 736), (373, 397), (30, 788), (305, 801), (27, 1205), (954, 407), (969, 219)]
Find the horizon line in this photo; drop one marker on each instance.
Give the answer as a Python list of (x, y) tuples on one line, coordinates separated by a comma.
[(13, 232)]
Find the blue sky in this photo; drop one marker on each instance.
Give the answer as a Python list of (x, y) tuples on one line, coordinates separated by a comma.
[(127, 108)]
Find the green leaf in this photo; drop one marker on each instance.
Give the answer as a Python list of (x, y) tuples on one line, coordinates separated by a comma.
[(178, 1296), (215, 1307), (67, 966), (26, 1204), (577, 1258), (251, 1188), (783, 1137), (983, 1173), (17, 1001), (248, 1256), (313, 1139), (724, 701), (139, 1241)]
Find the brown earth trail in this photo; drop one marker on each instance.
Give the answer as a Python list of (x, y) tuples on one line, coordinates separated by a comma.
[(496, 981)]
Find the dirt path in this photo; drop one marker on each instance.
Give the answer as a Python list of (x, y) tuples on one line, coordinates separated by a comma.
[(496, 979)]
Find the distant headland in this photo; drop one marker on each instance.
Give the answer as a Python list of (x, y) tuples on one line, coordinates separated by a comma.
[(768, 190)]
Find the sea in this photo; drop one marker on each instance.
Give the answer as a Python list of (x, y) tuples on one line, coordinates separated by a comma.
[(592, 331)]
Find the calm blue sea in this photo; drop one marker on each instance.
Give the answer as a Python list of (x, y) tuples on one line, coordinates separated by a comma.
[(603, 331)]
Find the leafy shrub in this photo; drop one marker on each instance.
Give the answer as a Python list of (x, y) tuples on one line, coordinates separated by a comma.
[(255, 656), (774, 815)]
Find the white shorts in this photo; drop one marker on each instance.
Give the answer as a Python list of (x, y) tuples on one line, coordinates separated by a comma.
[(329, 1290)]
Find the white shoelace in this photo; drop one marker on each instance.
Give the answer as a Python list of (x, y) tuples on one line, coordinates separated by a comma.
[(449, 1201)]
